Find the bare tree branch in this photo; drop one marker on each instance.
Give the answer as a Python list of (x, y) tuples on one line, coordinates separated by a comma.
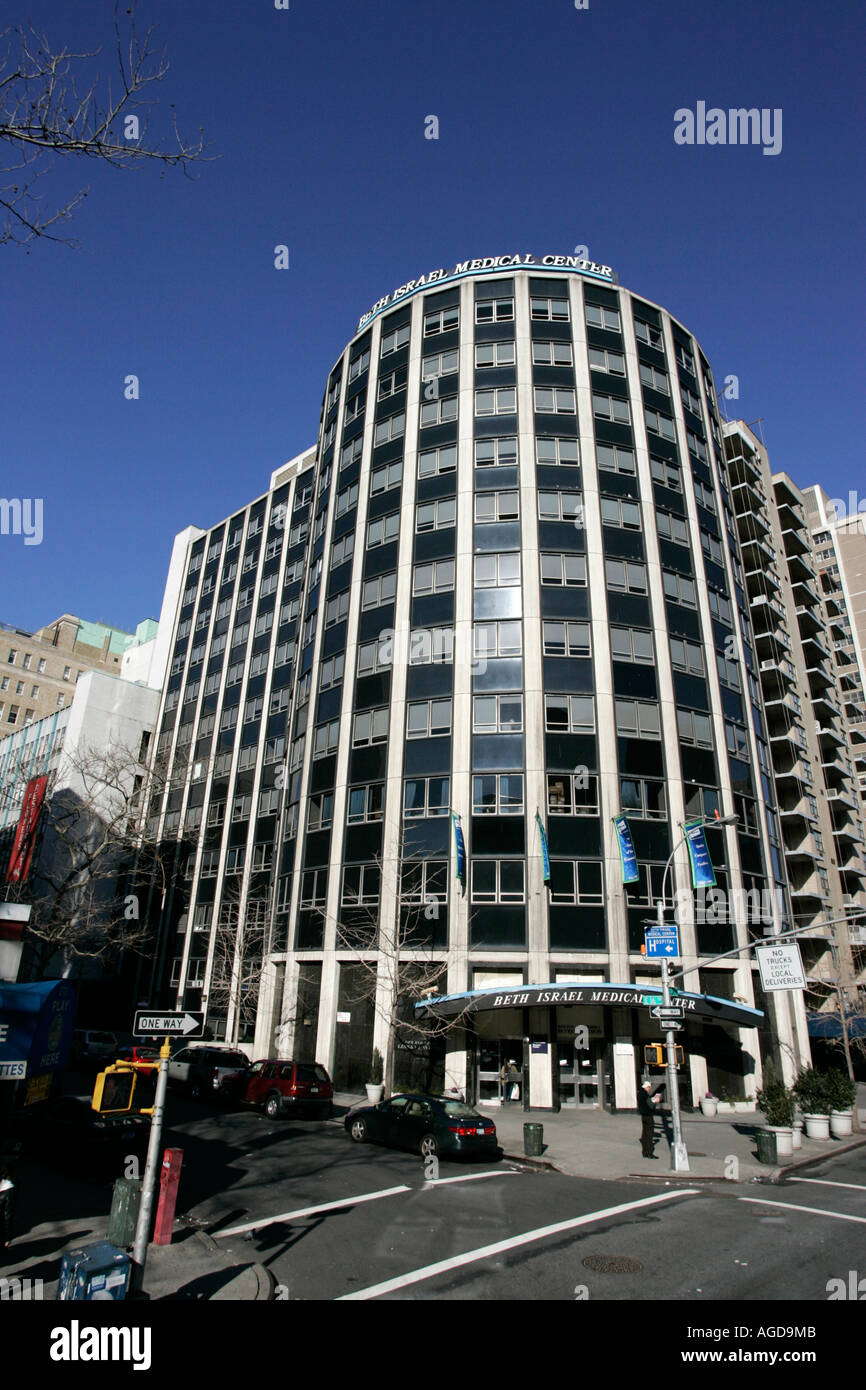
[(93, 863), (51, 105)]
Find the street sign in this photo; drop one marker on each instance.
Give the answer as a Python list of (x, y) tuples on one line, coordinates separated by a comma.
[(662, 941), (672, 1025), (669, 1012), (781, 967), (186, 1024)]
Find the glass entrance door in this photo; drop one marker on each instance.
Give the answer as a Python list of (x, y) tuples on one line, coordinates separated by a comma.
[(500, 1077), (583, 1079)]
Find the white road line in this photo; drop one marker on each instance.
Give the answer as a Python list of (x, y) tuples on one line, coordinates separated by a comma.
[(416, 1276), (472, 1177), (815, 1211), (825, 1182), (364, 1197), (310, 1211)]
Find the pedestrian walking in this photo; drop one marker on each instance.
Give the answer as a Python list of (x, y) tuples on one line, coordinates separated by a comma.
[(7, 1200), (508, 1077), (648, 1107)]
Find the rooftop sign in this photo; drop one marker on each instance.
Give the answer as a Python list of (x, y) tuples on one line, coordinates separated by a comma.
[(484, 264)]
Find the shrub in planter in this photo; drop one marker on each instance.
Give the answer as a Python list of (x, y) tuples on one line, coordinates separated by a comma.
[(776, 1102), (812, 1091), (376, 1068), (841, 1090)]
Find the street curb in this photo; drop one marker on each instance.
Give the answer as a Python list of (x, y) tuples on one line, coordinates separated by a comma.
[(267, 1285), (778, 1173), (542, 1163)]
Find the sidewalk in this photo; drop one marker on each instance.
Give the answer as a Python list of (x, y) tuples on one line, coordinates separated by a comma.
[(58, 1213), (595, 1144)]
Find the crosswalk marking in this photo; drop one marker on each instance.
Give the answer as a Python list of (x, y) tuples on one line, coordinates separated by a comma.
[(483, 1252)]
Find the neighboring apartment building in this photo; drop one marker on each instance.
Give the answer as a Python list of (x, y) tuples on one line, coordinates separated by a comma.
[(839, 542), (38, 670), (796, 621), (506, 581), (94, 754)]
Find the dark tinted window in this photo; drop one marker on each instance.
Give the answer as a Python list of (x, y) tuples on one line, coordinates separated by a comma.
[(227, 1059), (459, 1108), (311, 1072)]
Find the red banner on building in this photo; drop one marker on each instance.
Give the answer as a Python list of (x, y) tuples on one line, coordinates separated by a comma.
[(25, 835)]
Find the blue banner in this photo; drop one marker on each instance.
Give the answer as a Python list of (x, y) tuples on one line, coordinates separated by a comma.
[(460, 846), (630, 872), (703, 874), (545, 853)]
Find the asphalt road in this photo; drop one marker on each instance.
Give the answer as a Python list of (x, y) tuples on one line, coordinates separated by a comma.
[(336, 1220)]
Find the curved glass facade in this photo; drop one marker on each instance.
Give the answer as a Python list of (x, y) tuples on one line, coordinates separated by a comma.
[(503, 592)]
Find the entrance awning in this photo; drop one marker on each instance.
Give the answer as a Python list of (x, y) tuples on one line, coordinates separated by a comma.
[(830, 1025), (609, 996)]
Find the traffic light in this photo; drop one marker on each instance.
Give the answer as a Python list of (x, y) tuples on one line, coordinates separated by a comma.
[(656, 1055), (125, 1088)]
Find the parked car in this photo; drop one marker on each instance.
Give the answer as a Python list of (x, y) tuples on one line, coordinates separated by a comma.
[(137, 1054), (209, 1071), (429, 1125), (93, 1045), (285, 1088)]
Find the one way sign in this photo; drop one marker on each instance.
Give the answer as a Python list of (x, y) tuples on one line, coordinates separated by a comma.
[(188, 1025)]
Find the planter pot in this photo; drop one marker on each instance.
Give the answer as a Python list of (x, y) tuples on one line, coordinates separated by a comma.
[(817, 1126), (798, 1134), (709, 1106), (841, 1123), (375, 1093), (784, 1140)]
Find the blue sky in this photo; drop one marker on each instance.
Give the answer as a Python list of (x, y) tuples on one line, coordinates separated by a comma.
[(556, 130)]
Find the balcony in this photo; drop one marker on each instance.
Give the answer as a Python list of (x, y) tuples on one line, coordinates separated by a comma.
[(820, 683), (786, 736), (748, 496), (797, 811), (814, 650), (803, 586), (743, 464), (809, 619), (797, 772), (757, 554)]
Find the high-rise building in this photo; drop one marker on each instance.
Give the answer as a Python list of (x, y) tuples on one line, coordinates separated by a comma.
[(839, 542), (502, 596), (797, 620)]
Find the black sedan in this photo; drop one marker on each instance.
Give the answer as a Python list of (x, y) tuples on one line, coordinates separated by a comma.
[(429, 1125)]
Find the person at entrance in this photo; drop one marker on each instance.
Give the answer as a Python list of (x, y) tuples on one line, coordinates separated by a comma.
[(508, 1077), (647, 1106)]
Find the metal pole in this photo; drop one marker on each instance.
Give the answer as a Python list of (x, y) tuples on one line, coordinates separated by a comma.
[(679, 1153), (151, 1170), (843, 1004)]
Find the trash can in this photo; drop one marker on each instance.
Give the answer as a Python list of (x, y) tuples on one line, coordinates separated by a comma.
[(533, 1136), (94, 1272), (766, 1141), (124, 1212)]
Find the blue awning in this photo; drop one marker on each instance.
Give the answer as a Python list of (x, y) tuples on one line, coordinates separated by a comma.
[(830, 1025)]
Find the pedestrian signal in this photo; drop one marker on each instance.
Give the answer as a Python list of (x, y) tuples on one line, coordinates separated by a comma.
[(655, 1055), (126, 1088)]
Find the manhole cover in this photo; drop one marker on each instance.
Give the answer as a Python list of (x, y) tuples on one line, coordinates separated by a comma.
[(612, 1264)]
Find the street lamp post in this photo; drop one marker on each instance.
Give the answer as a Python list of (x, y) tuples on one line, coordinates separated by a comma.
[(679, 1152)]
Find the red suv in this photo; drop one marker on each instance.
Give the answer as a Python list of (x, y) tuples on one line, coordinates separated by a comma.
[(285, 1087)]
